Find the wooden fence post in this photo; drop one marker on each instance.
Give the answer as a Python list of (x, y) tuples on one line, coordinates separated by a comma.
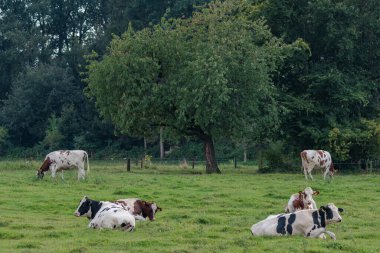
[(235, 162), (142, 162), (128, 164), (193, 162)]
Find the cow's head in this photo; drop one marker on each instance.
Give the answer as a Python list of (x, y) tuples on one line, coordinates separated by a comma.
[(84, 208), (331, 170), (44, 167), (308, 194), (332, 213), (149, 209), (40, 174)]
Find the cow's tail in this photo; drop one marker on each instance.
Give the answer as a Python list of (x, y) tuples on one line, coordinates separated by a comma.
[(88, 162)]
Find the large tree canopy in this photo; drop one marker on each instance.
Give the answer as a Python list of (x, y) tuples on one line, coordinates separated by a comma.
[(207, 76)]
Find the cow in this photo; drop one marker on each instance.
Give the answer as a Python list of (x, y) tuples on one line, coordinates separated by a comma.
[(302, 200), (310, 223), (140, 209), (104, 214), (319, 158), (62, 160)]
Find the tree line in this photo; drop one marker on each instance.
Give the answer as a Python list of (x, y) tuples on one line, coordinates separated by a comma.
[(261, 78)]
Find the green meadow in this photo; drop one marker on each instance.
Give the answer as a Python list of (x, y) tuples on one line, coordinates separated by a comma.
[(201, 213)]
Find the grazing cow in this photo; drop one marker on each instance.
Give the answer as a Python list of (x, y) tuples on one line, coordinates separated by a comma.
[(140, 209), (62, 160), (104, 214), (319, 158), (302, 200), (310, 223)]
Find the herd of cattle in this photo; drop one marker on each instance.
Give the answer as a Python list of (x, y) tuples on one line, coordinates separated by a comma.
[(301, 214)]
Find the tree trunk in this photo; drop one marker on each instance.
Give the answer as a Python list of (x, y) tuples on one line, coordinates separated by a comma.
[(145, 145), (162, 151), (209, 151), (245, 153)]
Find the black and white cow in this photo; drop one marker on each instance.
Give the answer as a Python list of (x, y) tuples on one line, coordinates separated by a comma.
[(104, 214), (140, 209), (310, 223)]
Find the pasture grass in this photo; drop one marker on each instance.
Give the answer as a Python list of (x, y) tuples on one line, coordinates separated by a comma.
[(201, 213)]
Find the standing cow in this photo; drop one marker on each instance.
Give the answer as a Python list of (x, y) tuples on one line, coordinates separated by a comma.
[(104, 214), (140, 209), (319, 158), (310, 223), (62, 160)]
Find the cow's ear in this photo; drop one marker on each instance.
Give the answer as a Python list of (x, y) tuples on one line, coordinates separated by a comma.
[(316, 193), (340, 209)]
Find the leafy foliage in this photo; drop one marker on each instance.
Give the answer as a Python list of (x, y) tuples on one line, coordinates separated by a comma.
[(205, 76)]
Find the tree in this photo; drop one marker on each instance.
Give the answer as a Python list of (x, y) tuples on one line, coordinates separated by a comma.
[(206, 76), (53, 137), (329, 92), (35, 96)]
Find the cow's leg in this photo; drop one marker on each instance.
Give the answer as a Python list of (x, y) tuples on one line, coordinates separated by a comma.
[(309, 170), (81, 172), (62, 175), (53, 169), (331, 234), (305, 172), (315, 233), (326, 172)]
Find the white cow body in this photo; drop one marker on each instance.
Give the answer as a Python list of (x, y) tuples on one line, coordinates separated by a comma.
[(310, 223), (302, 200), (319, 158), (104, 214), (65, 159)]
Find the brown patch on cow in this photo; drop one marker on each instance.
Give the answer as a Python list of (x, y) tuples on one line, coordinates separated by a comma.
[(123, 204), (45, 165), (303, 155), (322, 163), (298, 202), (321, 153)]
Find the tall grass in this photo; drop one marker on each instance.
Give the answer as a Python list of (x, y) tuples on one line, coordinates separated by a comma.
[(201, 213)]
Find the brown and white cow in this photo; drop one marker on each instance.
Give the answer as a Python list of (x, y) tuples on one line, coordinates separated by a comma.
[(319, 158), (62, 160), (302, 200), (140, 209)]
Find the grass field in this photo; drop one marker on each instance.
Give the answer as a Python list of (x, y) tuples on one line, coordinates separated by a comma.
[(201, 213)]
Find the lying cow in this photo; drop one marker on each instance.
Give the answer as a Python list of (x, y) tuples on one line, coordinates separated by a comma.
[(319, 158), (302, 200), (140, 209), (104, 214), (310, 223), (62, 160)]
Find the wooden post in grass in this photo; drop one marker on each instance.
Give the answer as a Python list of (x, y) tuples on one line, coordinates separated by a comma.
[(128, 164), (235, 162), (193, 162), (142, 163)]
